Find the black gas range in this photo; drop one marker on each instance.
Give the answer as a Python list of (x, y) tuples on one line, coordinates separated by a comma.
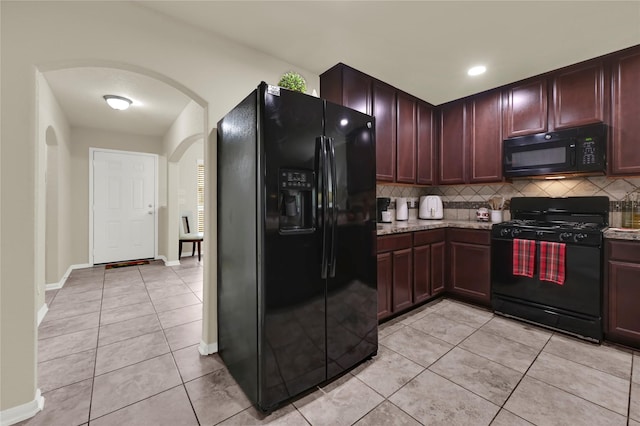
[(547, 263), (586, 233)]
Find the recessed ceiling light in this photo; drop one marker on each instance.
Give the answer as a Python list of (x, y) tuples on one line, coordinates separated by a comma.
[(477, 70), (118, 102)]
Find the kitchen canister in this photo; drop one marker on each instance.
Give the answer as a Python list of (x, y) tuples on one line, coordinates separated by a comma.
[(496, 216), (413, 208), (402, 208), (631, 210)]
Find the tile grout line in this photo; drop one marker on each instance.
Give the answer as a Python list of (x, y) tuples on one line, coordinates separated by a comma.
[(95, 360), (173, 358), (630, 390)]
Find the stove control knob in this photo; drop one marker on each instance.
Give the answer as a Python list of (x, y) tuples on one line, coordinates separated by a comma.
[(504, 232), (565, 236), (539, 233), (579, 237), (515, 232)]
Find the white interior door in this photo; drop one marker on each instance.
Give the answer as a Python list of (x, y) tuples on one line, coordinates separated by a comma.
[(124, 206)]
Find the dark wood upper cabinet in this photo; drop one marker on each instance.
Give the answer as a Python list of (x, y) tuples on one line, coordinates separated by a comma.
[(526, 108), (345, 86), (357, 91), (625, 113), (404, 124), (406, 139), (384, 110), (578, 96), (451, 144), (484, 137), (426, 153)]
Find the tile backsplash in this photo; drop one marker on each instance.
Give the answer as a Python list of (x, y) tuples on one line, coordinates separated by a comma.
[(461, 201)]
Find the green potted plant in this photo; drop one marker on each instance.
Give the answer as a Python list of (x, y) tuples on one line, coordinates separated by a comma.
[(293, 81)]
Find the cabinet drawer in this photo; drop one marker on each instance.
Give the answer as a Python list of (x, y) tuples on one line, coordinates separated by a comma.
[(624, 251), (428, 237), (472, 236), (394, 242)]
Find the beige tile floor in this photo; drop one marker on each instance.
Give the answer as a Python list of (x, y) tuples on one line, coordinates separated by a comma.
[(120, 347)]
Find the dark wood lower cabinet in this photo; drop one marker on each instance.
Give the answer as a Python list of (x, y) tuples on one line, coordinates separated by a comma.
[(395, 275), (385, 283), (402, 279), (438, 256), (470, 264), (410, 270), (623, 292), (428, 264), (421, 273)]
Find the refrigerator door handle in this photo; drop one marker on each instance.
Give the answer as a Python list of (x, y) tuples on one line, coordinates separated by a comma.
[(323, 201), (334, 207)]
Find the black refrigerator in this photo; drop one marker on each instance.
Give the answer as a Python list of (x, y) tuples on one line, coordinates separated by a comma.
[(296, 216)]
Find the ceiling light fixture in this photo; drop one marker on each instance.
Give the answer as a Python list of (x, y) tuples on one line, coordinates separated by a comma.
[(477, 70), (118, 102)]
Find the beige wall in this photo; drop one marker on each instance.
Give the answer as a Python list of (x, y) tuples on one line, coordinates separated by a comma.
[(81, 140), (188, 128), (53, 35), (187, 184), (53, 134)]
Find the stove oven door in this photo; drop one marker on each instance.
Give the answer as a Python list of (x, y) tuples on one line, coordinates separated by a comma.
[(547, 302)]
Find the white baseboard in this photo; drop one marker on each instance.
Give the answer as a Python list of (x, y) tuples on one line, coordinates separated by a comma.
[(22, 412), (42, 312), (168, 262), (207, 348), (60, 284)]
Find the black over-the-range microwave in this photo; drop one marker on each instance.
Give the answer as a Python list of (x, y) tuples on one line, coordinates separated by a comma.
[(575, 151)]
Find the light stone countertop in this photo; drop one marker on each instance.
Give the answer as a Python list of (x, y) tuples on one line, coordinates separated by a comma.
[(423, 225), (618, 234)]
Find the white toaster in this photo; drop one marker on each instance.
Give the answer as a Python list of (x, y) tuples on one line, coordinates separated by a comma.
[(430, 207)]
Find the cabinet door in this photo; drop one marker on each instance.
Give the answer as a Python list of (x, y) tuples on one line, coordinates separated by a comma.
[(470, 271), (526, 109), (623, 295), (402, 279), (356, 90), (385, 282), (451, 140), (384, 109), (484, 137), (578, 96), (406, 139), (437, 268), (421, 273), (625, 121), (426, 148)]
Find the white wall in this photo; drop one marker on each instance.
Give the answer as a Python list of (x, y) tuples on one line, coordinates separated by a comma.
[(54, 35)]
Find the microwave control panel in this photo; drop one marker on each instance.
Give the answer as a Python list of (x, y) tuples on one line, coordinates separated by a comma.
[(589, 151)]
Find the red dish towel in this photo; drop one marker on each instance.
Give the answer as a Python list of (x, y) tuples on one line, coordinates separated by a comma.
[(552, 262), (524, 253)]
